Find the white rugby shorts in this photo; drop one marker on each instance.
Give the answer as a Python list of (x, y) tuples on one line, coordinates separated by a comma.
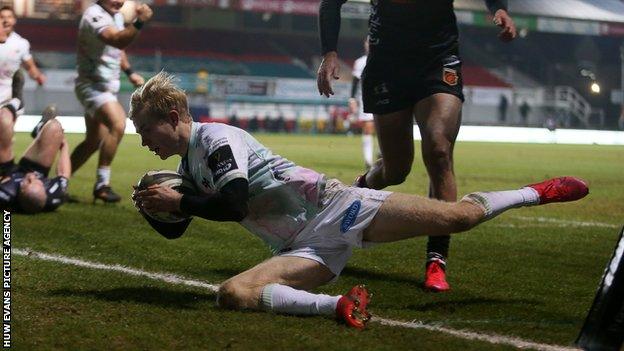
[(330, 237), (93, 95)]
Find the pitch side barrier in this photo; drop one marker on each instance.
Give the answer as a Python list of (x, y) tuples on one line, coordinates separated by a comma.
[(604, 326), (75, 124)]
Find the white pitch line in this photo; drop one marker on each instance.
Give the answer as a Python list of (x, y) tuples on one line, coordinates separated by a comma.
[(568, 222), (176, 279), (493, 339), (166, 277)]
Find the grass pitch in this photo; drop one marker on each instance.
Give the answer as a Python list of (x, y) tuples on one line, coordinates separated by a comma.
[(530, 273)]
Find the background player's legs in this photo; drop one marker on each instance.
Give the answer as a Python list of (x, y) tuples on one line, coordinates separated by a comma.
[(396, 143), (7, 122), (45, 147), (368, 144), (92, 141), (113, 116), (288, 278), (439, 117)]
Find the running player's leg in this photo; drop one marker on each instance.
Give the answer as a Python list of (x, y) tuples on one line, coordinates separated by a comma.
[(396, 143), (45, 147), (7, 123), (368, 144), (91, 143), (112, 115), (439, 117), (403, 216)]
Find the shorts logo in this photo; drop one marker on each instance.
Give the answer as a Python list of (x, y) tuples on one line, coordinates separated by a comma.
[(381, 89), (449, 76), (350, 215)]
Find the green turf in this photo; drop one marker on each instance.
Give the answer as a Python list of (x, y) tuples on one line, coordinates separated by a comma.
[(512, 276)]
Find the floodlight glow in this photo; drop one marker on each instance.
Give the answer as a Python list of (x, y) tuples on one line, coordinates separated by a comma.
[(595, 88)]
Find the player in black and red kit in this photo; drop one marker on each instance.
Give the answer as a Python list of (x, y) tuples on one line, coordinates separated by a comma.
[(27, 188), (413, 71)]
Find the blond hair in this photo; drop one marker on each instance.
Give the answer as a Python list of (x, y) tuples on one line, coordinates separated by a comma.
[(157, 97)]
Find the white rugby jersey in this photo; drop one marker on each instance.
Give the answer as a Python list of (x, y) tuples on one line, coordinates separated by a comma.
[(358, 67), (13, 53), (98, 62), (283, 197)]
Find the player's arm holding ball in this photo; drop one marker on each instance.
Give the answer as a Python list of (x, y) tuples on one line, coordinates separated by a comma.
[(228, 204)]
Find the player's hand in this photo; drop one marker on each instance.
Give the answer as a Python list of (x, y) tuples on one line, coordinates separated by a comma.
[(157, 198), (144, 13), (502, 19), (353, 105), (136, 79), (41, 79), (328, 70)]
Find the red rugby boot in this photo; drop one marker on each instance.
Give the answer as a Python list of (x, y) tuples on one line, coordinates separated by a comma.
[(560, 189), (435, 278), (351, 307)]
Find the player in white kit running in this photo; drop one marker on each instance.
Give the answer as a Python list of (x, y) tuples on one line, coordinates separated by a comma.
[(310, 222), (102, 38), (357, 107), (14, 53)]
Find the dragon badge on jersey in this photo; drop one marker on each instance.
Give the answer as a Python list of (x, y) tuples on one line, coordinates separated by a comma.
[(450, 76)]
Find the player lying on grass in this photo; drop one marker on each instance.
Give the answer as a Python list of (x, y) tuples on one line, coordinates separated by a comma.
[(27, 188), (312, 223)]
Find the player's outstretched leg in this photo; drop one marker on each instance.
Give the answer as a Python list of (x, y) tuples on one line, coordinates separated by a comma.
[(405, 216), (561, 189)]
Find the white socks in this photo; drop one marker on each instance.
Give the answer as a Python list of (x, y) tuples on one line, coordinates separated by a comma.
[(284, 299), (102, 177), (367, 149), (14, 104), (497, 202)]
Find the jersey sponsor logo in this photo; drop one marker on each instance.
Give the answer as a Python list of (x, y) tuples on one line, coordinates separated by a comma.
[(350, 215), (450, 76), (221, 161)]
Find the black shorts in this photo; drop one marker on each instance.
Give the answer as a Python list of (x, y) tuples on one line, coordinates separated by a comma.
[(25, 165), (391, 84)]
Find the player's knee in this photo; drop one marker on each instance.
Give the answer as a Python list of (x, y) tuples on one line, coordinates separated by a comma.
[(6, 118), (231, 295), (54, 129), (118, 128), (439, 157), (396, 175)]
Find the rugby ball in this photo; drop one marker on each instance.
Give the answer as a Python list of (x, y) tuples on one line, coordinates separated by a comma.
[(171, 179), (128, 11)]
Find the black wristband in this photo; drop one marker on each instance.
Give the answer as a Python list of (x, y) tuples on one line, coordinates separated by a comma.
[(138, 24), (128, 71)]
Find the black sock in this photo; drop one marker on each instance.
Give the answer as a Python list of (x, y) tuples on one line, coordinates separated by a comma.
[(436, 257)]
